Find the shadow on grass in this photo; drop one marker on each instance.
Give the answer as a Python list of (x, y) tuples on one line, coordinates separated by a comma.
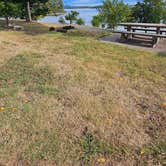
[(116, 38), (35, 28), (32, 28), (162, 54)]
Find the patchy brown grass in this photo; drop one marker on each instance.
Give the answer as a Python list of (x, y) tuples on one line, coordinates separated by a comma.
[(71, 100)]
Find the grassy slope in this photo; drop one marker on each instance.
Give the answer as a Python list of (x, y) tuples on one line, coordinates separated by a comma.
[(71, 100)]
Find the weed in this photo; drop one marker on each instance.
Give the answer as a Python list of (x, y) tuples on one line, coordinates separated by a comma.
[(92, 147), (158, 151)]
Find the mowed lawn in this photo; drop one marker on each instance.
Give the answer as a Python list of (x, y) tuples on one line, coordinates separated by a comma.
[(69, 100)]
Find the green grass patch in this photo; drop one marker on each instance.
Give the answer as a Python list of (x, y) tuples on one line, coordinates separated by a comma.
[(158, 151), (45, 147), (22, 70)]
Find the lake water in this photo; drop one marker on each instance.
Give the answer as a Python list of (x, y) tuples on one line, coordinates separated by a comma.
[(85, 14)]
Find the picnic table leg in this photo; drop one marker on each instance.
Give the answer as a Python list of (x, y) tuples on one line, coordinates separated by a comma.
[(133, 31), (158, 32), (155, 41), (129, 29)]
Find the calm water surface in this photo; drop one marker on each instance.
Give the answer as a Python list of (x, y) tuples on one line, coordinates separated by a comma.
[(85, 14)]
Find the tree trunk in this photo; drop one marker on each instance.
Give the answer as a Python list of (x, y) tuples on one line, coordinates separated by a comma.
[(28, 11), (7, 21)]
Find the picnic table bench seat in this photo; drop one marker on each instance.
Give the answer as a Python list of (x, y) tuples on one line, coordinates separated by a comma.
[(139, 33), (155, 37)]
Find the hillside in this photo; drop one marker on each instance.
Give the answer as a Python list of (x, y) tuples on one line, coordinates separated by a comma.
[(69, 99)]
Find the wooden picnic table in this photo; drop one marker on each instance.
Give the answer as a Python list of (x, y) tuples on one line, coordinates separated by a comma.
[(157, 30), (146, 26)]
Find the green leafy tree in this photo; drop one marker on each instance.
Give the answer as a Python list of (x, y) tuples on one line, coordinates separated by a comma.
[(33, 9), (96, 21), (149, 11), (61, 20), (80, 21), (39, 10), (55, 6), (9, 9), (164, 13), (138, 13), (112, 12), (28, 6), (72, 16)]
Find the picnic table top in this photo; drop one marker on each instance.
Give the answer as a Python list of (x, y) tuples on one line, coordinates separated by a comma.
[(143, 25)]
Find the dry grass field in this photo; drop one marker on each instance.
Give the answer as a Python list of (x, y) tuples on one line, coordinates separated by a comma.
[(71, 100)]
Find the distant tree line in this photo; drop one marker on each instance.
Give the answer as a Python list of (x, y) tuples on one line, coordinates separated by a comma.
[(29, 9), (113, 12)]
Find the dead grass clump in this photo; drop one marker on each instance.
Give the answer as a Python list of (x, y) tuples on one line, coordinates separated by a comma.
[(86, 33)]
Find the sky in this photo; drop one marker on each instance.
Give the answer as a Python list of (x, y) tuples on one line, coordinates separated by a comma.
[(90, 2)]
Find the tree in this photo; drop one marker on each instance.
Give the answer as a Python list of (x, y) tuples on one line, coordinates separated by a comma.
[(149, 11), (164, 13), (72, 16), (9, 9), (28, 11), (138, 13), (112, 12), (96, 21), (32, 9), (61, 20), (27, 6), (80, 21), (39, 10), (55, 6)]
